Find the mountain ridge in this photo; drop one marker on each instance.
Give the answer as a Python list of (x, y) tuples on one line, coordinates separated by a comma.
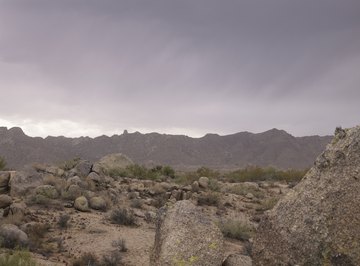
[(270, 148)]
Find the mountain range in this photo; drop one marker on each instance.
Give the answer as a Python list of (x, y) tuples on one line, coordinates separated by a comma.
[(274, 147)]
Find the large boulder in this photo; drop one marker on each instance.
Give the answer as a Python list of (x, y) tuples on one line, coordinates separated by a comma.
[(317, 223), (111, 162), (24, 181), (4, 181), (185, 236), (11, 236), (83, 168)]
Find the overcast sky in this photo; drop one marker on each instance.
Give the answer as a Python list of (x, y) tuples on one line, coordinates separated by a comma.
[(93, 67)]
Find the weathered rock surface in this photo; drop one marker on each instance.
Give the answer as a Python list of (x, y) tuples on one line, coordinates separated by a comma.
[(83, 168), (184, 236), (317, 223), (81, 204), (111, 162), (203, 182), (12, 236), (237, 260)]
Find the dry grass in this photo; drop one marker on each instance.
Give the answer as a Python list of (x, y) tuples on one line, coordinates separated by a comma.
[(236, 229)]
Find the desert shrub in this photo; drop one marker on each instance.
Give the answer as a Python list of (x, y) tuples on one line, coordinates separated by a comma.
[(2, 163), (113, 259), (63, 221), (243, 190), (36, 234), (236, 229), (214, 185), (204, 171), (187, 178), (87, 259), (70, 164), (136, 203), (267, 204), (256, 174), (120, 244), (17, 258), (123, 216), (168, 171), (210, 199)]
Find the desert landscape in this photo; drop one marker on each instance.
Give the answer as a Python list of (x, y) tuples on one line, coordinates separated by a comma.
[(115, 212), (179, 133)]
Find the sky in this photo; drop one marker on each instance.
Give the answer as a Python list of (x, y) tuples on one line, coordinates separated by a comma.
[(94, 67)]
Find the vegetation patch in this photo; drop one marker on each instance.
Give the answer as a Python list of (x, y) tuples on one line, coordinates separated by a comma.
[(17, 258), (236, 229), (123, 216)]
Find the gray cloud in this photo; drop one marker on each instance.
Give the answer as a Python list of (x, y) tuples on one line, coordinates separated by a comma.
[(191, 67)]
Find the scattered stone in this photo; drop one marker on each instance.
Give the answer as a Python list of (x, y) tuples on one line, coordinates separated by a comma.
[(317, 223), (95, 177), (203, 182), (5, 201), (185, 236), (249, 196), (81, 204)]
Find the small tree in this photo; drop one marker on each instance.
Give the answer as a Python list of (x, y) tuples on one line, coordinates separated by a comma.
[(2, 163)]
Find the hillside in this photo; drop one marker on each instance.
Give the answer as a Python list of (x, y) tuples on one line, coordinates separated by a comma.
[(271, 148)]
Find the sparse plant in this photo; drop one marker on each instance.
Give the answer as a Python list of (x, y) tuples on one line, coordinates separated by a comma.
[(113, 259), (17, 258), (236, 229), (87, 259), (63, 221), (120, 244), (70, 164), (267, 204), (123, 216), (243, 190), (209, 198)]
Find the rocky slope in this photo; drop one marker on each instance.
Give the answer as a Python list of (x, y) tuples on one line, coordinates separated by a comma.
[(271, 148)]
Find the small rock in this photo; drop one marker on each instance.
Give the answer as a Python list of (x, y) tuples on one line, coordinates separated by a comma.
[(98, 203), (195, 186), (204, 182), (81, 204)]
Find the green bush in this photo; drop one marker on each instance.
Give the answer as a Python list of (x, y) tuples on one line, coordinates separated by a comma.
[(236, 230), (2, 164), (141, 172), (70, 164), (18, 258)]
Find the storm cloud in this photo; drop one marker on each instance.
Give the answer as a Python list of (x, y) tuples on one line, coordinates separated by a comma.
[(86, 67)]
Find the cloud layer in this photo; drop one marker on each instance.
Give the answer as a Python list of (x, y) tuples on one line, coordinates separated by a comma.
[(86, 67)]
